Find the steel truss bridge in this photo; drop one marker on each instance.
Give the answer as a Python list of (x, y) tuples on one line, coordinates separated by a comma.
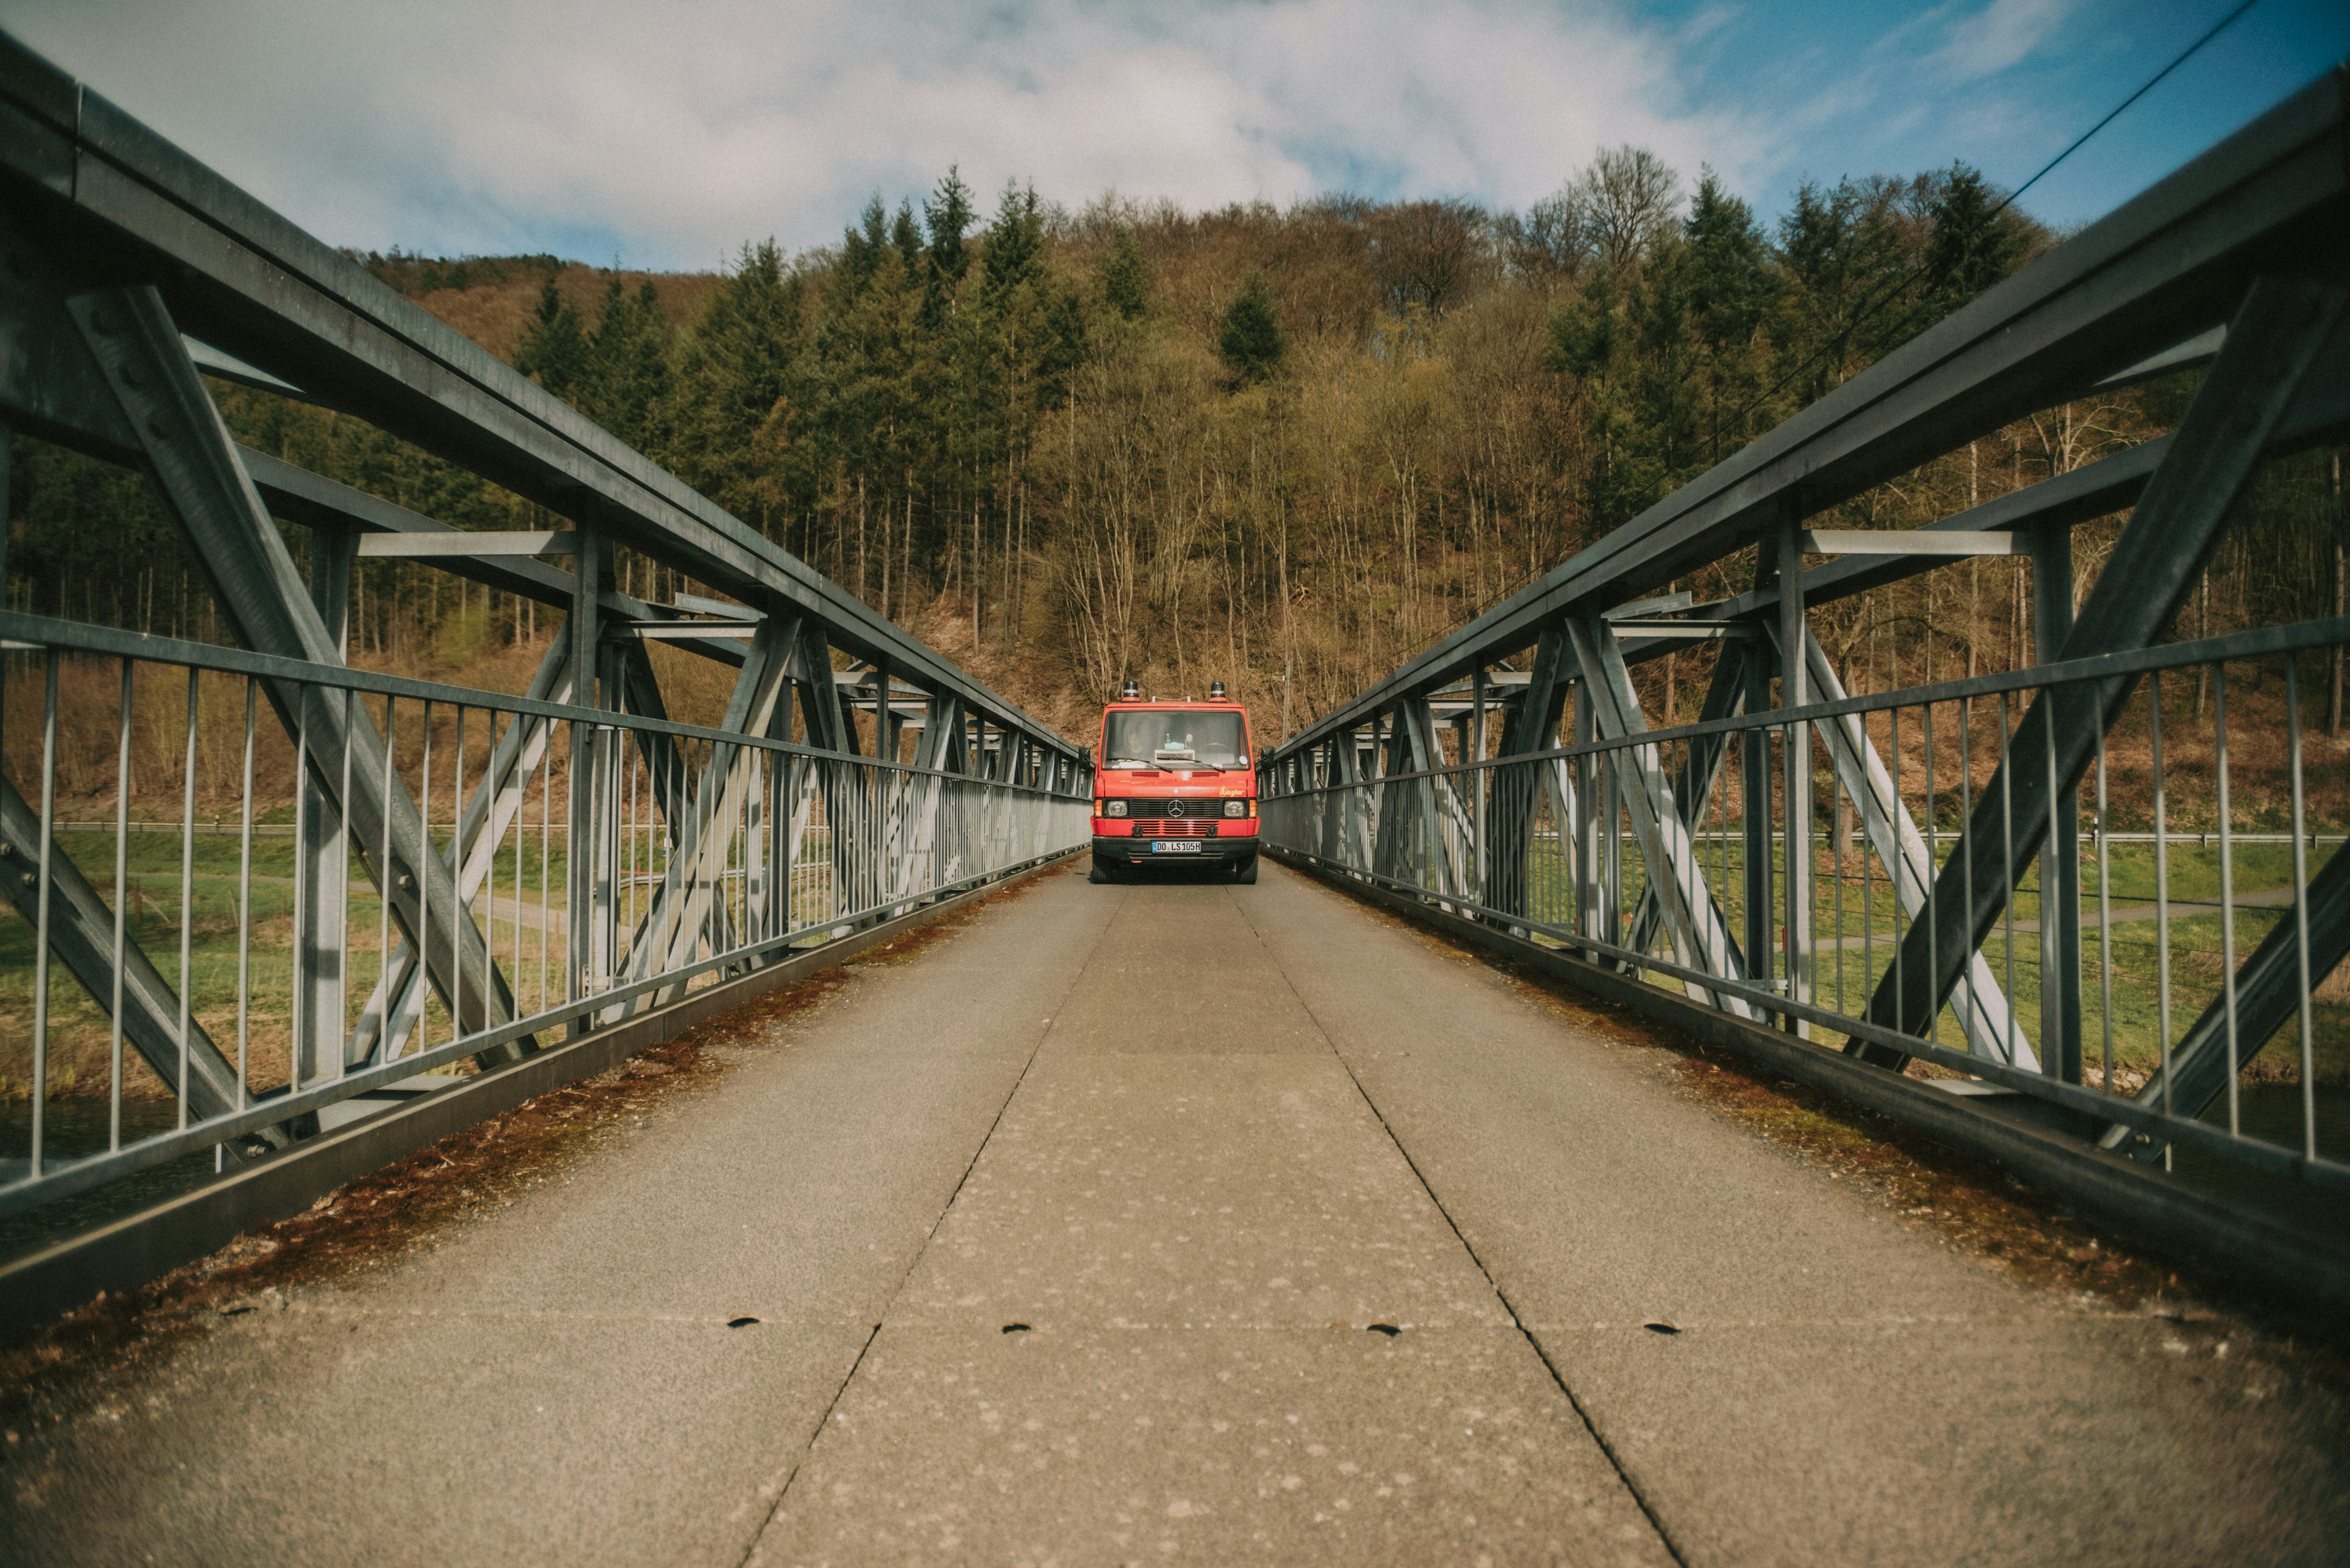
[(1181, 1221), (473, 876), (1510, 775)]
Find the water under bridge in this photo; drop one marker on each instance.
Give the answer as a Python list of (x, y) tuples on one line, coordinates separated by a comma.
[(1327, 1216)]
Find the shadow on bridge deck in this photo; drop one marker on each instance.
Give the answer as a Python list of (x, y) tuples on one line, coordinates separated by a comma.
[(1190, 1222)]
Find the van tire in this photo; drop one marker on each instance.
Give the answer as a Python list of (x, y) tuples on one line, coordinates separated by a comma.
[(1245, 872), (1102, 871)]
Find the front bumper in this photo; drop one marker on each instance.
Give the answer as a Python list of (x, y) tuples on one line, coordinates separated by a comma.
[(1210, 851)]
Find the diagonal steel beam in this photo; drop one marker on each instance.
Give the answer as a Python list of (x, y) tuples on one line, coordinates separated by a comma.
[(2269, 988), (2276, 336), (81, 934), (1528, 724), (1984, 1017), (1694, 783), (496, 801), (1701, 938), (234, 547), (676, 923)]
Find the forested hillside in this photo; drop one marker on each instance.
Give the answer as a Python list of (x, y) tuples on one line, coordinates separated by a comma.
[(1276, 447)]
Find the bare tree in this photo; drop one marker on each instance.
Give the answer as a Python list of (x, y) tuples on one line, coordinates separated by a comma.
[(1426, 253), (1552, 242), (1629, 196)]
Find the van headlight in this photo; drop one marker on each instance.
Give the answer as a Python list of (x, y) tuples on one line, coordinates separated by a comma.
[(1115, 808), (1235, 808)]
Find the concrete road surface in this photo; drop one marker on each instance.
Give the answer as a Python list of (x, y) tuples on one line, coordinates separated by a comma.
[(1189, 1223)]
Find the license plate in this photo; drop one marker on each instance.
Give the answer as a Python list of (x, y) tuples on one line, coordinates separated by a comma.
[(1175, 846)]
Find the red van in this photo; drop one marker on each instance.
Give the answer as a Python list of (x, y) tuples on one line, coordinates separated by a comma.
[(1176, 785)]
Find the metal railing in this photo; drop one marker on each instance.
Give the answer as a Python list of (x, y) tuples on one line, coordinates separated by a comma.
[(2200, 948), (249, 888), (204, 993), (2107, 892)]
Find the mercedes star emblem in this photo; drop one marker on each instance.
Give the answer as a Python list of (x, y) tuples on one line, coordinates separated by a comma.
[(1174, 808)]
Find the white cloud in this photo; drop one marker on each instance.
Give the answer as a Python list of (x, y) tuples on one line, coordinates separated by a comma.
[(679, 132), (2000, 36)]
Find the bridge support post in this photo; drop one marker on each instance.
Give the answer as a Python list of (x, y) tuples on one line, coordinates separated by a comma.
[(2060, 860), (582, 631), (1795, 753), (1480, 782)]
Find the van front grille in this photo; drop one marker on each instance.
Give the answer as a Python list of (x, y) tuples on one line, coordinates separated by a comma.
[(1176, 827)]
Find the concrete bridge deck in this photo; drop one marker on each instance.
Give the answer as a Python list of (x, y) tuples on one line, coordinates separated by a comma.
[(1199, 1139)]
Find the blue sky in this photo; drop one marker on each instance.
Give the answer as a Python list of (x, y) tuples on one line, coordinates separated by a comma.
[(665, 135)]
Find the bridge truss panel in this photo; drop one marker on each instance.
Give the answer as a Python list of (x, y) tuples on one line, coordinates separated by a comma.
[(1954, 889), (466, 875)]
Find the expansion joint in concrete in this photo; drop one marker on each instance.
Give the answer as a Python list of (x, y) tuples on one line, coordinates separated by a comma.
[(1615, 1460)]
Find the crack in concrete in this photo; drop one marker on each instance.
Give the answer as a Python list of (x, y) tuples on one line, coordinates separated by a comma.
[(1615, 1460), (929, 1234)]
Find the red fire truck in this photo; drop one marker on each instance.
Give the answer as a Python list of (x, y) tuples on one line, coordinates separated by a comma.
[(1176, 785)]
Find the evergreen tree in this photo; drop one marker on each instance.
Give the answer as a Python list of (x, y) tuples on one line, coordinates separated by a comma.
[(554, 347), (1251, 337), (906, 235), (728, 412), (1125, 276), (1975, 244), (1014, 256), (1729, 284), (1730, 294), (1844, 265), (626, 376), (861, 249), (949, 215)]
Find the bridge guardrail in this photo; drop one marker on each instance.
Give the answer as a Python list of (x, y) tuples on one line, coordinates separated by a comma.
[(1509, 772), (204, 996), (233, 994), (1560, 845)]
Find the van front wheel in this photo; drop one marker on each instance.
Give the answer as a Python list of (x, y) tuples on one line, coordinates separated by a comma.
[(1245, 872)]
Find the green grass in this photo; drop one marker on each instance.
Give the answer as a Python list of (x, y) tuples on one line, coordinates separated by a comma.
[(2195, 943), (80, 1042)]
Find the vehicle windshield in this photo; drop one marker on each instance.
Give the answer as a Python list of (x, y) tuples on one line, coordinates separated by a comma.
[(1177, 738)]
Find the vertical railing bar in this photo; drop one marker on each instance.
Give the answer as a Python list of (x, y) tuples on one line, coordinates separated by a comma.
[(1965, 854), (337, 1036), (386, 880), (459, 905), (187, 886), (297, 1006), (1933, 866), (1900, 866), (2161, 895), (1836, 847), (2007, 864), (632, 866), (575, 973), (2227, 887), (424, 885), (1868, 898), (121, 901), (493, 786), (545, 856), (245, 902), (2105, 923), (2300, 907), (41, 920)]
